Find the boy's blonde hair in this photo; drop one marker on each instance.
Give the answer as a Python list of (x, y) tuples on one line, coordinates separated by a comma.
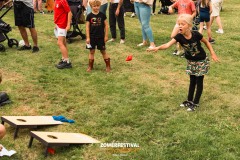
[(187, 18), (95, 3)]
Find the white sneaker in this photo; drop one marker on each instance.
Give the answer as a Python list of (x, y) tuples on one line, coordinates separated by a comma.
[(219, 31), (122, 41), (205, 27), (111, 40), (153, 14), (132, 15), (124, 14)]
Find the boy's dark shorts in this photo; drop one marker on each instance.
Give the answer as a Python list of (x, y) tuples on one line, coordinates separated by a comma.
[(99, 42), (24, 15)]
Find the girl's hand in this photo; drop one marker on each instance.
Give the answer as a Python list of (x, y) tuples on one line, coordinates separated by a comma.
[(152, 49), (215, 58), (68, 27)]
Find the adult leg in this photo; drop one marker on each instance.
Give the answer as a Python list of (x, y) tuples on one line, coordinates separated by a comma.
[(112, 20), (121, 23), (34, 36), (145, 14), (24, 35), (219, 23), (199, 82)]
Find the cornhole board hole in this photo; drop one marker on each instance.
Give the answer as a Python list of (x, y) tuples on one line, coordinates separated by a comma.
[(28, 122), (54, 139)]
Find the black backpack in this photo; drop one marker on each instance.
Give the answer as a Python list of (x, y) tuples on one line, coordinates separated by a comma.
[(4, 99)]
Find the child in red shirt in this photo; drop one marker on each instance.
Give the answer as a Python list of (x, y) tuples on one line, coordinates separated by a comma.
[(184, 7), (62, 19)]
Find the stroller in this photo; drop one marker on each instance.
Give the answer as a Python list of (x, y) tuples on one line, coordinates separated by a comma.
[(164, 7), (77, 10), (4, 29)]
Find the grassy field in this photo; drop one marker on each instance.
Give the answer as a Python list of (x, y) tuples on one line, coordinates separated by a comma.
[(138, 102)]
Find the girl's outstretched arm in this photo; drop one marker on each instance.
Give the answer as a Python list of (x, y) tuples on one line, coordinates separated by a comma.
[(164, 46), (209, 46)]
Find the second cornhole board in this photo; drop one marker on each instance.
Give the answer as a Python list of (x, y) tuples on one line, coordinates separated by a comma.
[(28, 122), (53, 139)]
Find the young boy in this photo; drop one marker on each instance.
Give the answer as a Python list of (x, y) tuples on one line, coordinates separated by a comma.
[(97, 34), (62, 19)]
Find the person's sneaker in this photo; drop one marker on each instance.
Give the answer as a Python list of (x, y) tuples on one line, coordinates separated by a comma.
[(125, 15), (25, 48), (60, 62), (186, 104), (192, 107), (122, 41), (153, 14), (35, 49), (205, 27), (211, 41), (220, 31), (63, 65), (133, 15), (111, 40), (175, 52), (41, 12)]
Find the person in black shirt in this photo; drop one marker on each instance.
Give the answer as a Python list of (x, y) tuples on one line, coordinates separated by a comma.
[(97, 34), (197, 60)]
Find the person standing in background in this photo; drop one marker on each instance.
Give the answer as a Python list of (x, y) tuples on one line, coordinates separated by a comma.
[(116, 15), (24, 18)]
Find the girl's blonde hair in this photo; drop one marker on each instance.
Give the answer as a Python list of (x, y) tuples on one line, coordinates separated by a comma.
[(95, 3), (187, 18)]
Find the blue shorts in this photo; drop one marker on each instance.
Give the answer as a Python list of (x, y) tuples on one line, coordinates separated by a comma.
[(204, 17)]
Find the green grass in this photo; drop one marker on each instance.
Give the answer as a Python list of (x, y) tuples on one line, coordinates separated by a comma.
[(136, 103)]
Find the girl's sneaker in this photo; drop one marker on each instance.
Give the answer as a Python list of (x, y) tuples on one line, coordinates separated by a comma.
[(192, 107), (186, 104)]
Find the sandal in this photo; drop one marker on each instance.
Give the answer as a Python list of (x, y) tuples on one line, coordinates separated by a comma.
[(141, 44)]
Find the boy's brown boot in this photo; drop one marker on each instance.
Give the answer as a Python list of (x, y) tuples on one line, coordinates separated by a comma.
[(108, 67), (90, 65)]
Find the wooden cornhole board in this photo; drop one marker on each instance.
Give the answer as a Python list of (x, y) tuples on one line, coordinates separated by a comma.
[(51, 139), (28, 122)]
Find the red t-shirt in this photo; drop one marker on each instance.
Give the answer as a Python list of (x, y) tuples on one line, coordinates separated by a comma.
[(185, 6), (61, 10)]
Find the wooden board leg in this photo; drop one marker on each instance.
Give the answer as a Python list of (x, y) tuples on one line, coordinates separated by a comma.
[(15, 133), (46, 151), (30, 142)]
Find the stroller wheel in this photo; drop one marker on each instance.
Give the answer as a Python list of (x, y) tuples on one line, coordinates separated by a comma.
[(12, 42), (2, 48)]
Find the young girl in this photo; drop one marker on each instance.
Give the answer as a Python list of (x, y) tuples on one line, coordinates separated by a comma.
[(205, 10), (197, 60), (97, 34)]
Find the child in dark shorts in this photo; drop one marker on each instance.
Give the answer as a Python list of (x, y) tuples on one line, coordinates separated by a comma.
[(97, 34), (205, 10), (197, 60)]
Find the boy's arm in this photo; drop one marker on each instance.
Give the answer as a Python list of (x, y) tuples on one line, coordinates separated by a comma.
[(210, 48), (106, 30), (87, 32), (69, 20)]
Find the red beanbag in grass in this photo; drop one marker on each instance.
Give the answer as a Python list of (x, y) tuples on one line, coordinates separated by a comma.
[(129, 58)]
